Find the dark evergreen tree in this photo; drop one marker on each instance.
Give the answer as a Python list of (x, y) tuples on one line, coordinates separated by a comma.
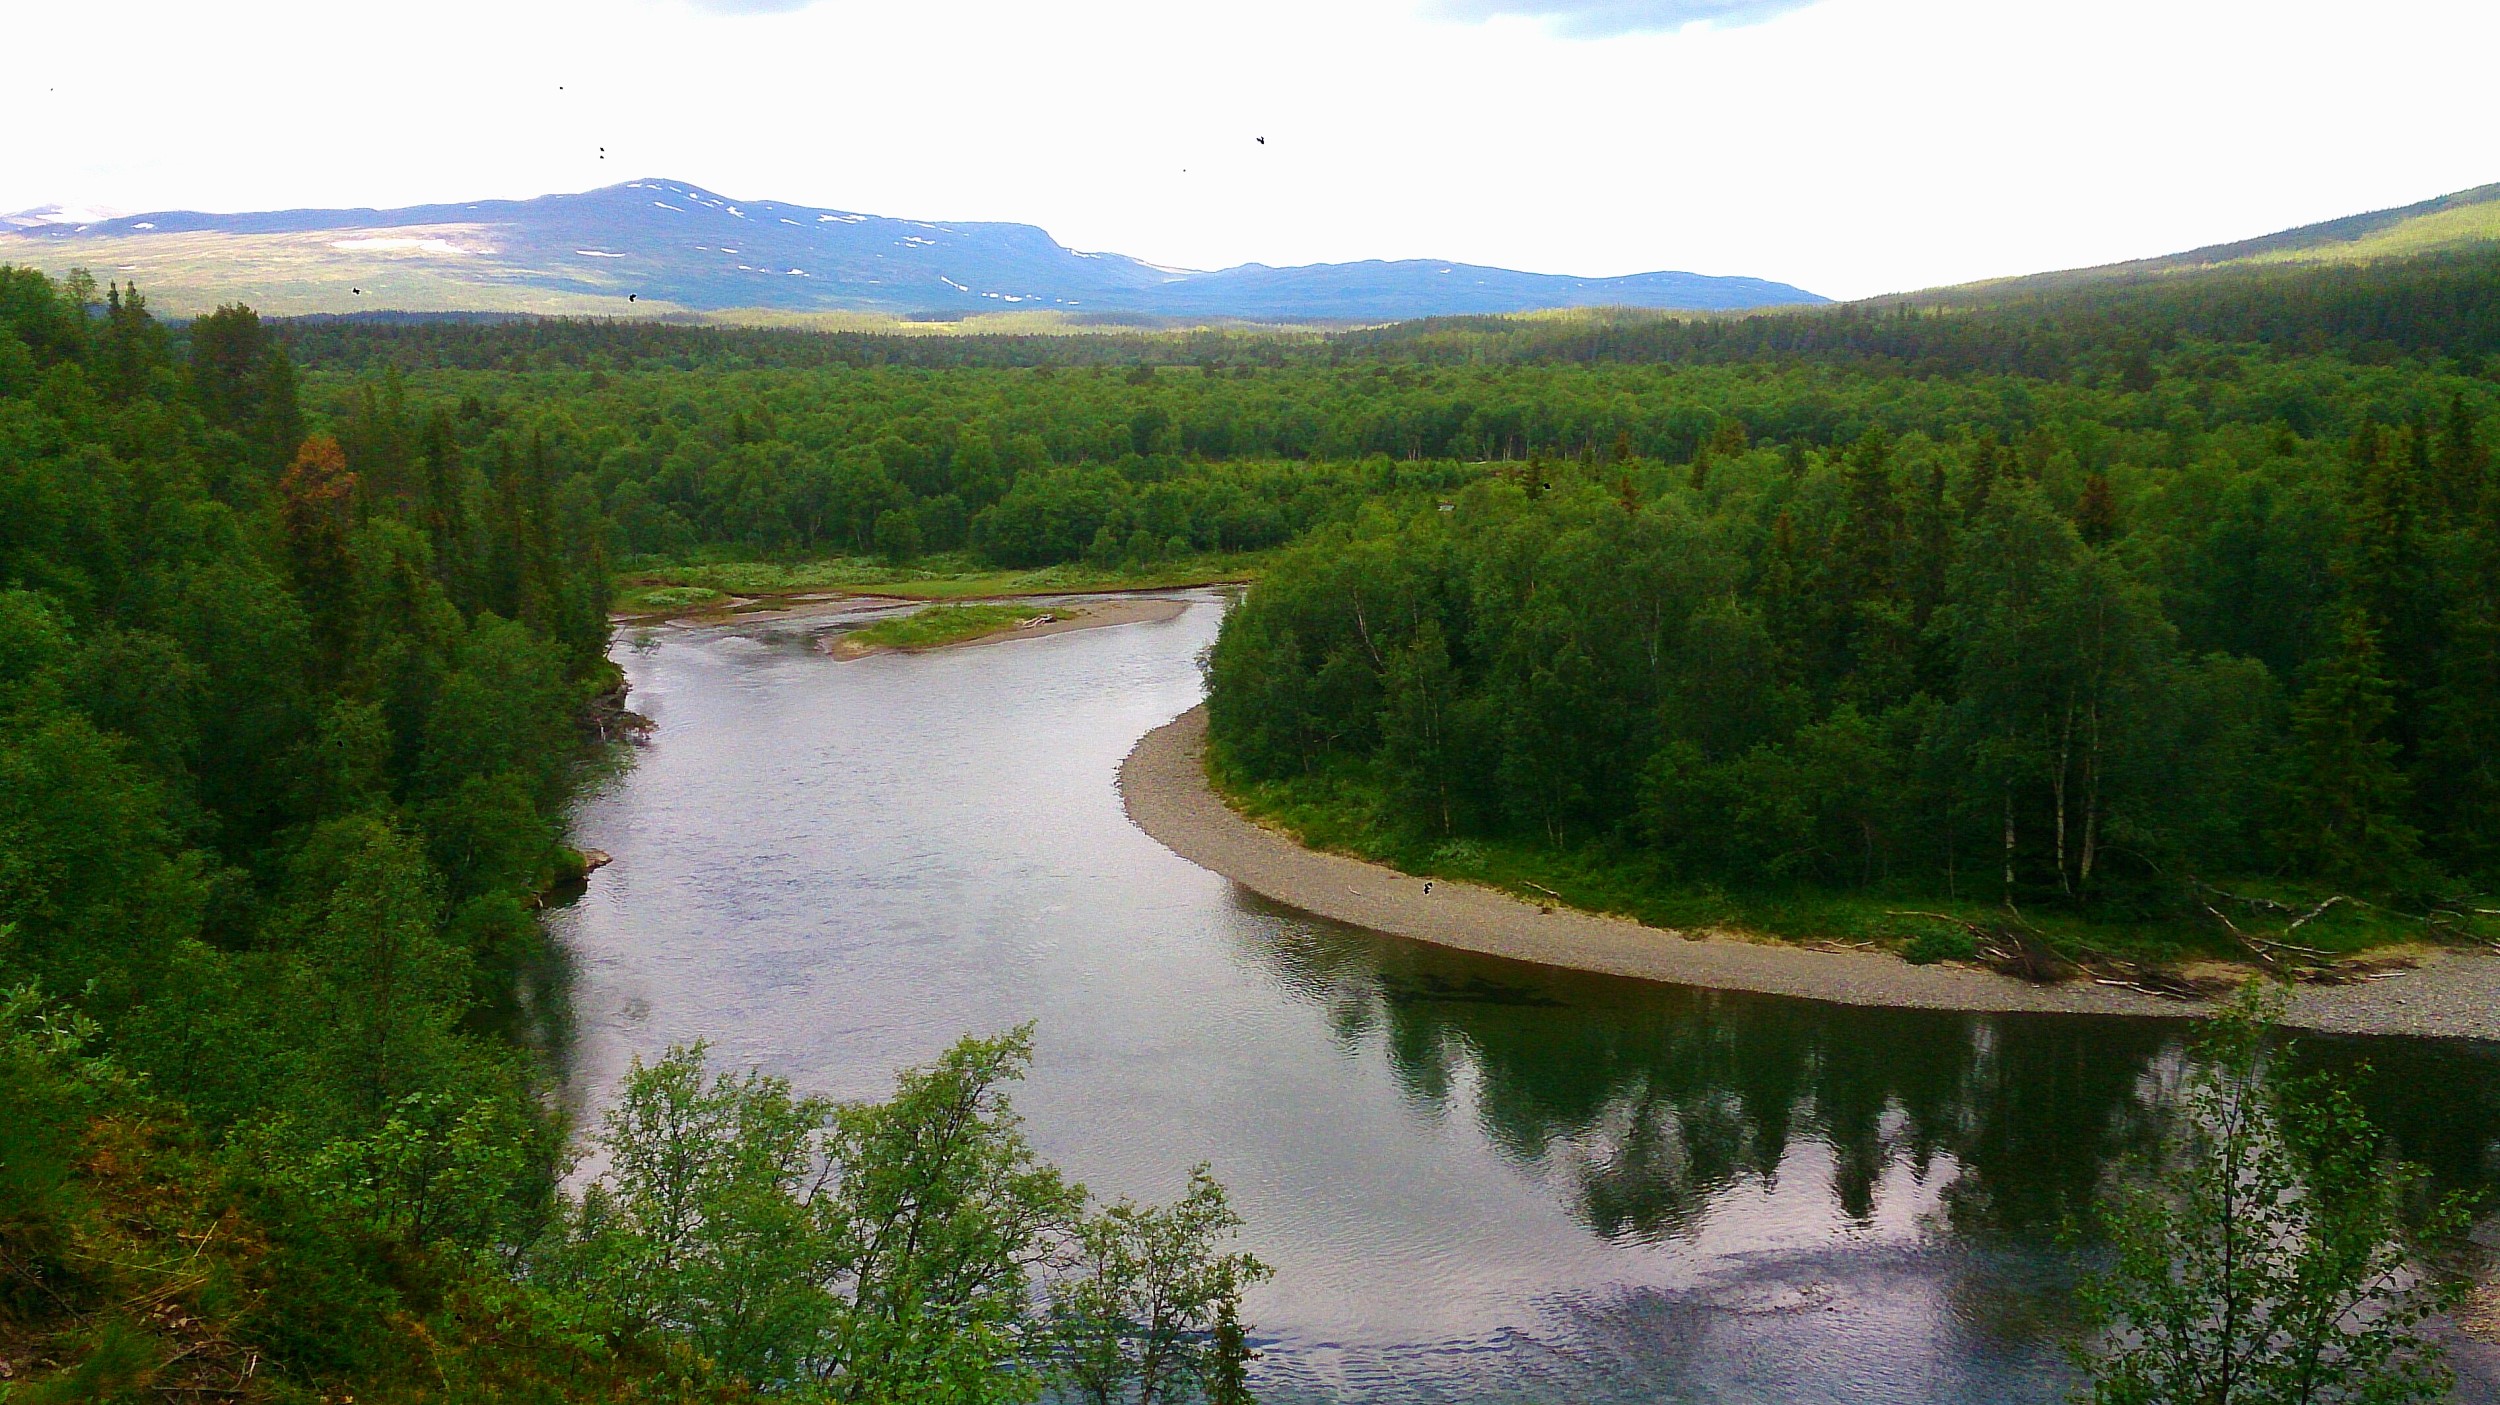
[(2344, 816), (2387, 572), (229, 356), (2096, 512), (131, 347), (2462, 465)]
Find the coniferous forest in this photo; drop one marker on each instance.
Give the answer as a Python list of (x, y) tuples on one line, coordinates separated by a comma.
[(2130, 611)]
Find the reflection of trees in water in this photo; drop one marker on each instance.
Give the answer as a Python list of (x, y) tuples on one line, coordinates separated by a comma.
[(1648, 1101)]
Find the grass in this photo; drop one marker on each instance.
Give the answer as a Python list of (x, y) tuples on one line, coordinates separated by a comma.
[(711, 583), (2422, 234), (939, 624), (665, 599), (1344, 814)]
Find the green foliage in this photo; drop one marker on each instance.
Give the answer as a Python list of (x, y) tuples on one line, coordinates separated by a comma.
[(2269, 1257), (267, 762), (941, 624), (700, 1228), (49, 1088), (439, 1173), (1936, 944), (1148, 1310), (1925, 663), (888, 1252), (941, 1216)]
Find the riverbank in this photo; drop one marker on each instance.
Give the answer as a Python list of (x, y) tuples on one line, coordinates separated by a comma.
[(1163, 785), (994, 626)]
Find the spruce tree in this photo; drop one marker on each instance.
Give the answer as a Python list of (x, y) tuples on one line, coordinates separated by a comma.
[(133, 345), (446, 510), (2459, 778), (2460, 464), (1867, 618), (228, 350), (2387, 574), (2346, 798), (1987, 465), (2096, 513), (277, 430)]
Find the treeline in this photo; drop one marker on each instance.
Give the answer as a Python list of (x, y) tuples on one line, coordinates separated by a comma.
[(1016, 468), (1037, 466), (2084, 669), (2049, 327), (461, 342)]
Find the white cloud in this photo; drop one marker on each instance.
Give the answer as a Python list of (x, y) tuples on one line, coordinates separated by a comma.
[(1601, 19), (1849, 146)]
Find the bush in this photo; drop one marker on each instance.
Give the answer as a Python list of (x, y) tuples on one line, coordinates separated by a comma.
[(1937, 944)]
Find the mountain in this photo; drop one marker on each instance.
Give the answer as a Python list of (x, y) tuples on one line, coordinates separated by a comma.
[(2468, 219), (58, 214), (659, 246)]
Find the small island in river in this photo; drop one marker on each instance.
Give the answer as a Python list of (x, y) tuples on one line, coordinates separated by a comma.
[(954, 626)]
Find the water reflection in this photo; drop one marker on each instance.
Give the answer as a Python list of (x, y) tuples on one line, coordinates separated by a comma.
[(1646, 1102)]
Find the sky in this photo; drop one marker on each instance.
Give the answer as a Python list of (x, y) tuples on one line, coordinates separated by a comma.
[(1851, 147)]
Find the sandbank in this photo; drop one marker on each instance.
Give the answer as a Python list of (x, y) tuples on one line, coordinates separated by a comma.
[(1163, 785)]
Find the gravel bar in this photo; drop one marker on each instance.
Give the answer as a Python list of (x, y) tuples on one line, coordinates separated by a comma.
[(1163, 785)]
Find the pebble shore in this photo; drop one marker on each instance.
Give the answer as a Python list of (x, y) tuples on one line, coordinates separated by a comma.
[(1163, 785)]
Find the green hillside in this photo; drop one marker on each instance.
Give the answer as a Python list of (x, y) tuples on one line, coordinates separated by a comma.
[(2431, 226), (2466, 221)]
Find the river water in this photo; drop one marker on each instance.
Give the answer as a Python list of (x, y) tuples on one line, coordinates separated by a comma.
[(1476, 1180)]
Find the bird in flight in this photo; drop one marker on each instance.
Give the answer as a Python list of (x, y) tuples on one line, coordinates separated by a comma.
[(633, 297), (1262, 141)]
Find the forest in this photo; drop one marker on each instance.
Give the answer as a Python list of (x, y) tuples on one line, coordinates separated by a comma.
[(2133, 652), (2154, 605), (293, 699), (2136, 611)]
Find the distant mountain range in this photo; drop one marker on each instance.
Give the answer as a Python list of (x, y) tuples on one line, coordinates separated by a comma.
[(659, 246)]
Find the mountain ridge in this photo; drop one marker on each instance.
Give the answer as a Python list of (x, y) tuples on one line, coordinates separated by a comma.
[(654, 245)]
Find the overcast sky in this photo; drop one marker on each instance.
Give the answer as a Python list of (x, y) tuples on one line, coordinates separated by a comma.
[(1848, 146)]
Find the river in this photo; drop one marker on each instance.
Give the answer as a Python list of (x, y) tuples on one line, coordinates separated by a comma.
[(1477, 1181)]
